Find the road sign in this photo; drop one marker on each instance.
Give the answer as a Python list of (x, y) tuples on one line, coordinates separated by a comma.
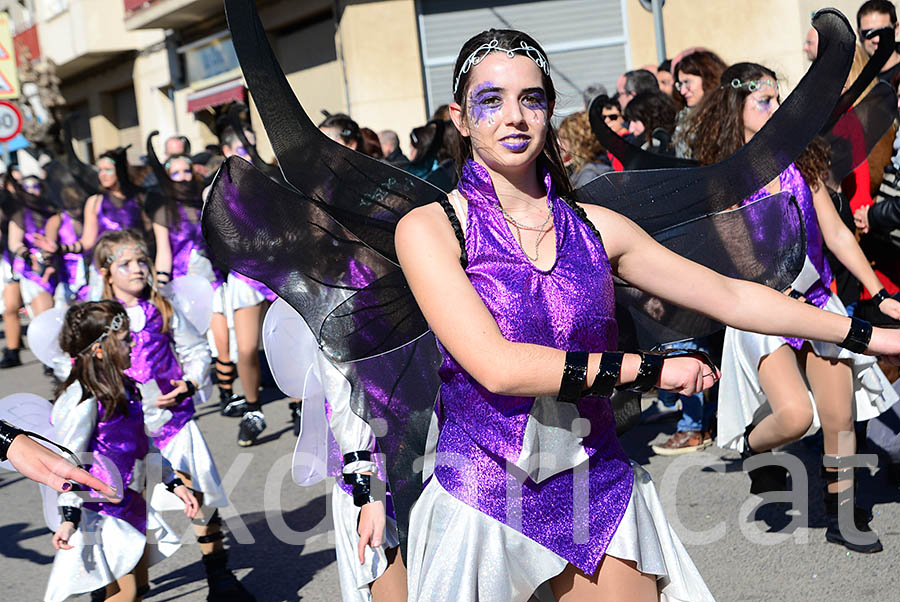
[(10, 121), (9, 71)]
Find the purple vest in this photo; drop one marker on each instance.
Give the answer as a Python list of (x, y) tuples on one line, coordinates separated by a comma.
[(569, 307), (153, 357), (122, 441), (186, 236), (113, 217), (791, 180)]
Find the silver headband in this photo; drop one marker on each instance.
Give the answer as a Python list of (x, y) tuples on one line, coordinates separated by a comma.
[(752, 85), (494, 46), (114, 325)]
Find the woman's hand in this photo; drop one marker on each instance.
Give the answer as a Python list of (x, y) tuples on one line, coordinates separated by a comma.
[(190, 501), (371, 528), (62, 536), (45, 244), (890, 307), (45, 466), (172, 397), (687, 375), (861, 218)]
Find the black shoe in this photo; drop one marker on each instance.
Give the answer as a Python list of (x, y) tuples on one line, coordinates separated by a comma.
[(764, 479), (252, 424), (223, 585), (866, 541), (232, 406), (10, 358), (296, 407)]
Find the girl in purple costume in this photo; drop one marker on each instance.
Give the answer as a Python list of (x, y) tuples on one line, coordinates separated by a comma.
[(584, 523), (34, 218), (804, 381), (170, 364), (73, 279), (102, 544)]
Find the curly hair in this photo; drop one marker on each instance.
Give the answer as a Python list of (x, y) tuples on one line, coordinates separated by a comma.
[(716, 130), (584, 147), (704, 63)]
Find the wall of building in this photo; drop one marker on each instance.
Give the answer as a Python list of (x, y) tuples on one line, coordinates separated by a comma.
[(770, 32)]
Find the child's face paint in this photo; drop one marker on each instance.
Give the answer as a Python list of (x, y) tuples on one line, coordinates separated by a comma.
[(106, 173), (129, 272)]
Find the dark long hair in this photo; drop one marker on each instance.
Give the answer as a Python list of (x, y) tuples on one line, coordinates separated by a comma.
[(550, 157), (104, 377), (653, 109), (716, 130)]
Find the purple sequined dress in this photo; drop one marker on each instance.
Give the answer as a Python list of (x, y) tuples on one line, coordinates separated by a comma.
[(743, 351), (189, 248), (25, 269), (116, 214), (73, 273)]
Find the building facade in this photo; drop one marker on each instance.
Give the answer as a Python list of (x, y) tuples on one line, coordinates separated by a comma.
[(129, 67)]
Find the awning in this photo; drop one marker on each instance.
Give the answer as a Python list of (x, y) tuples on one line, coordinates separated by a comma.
[(214, 96)]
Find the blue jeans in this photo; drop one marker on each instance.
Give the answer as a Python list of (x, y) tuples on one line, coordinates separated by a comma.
[(695, 415)]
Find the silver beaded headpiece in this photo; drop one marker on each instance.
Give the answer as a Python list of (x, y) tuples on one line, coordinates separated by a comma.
[(752, 85), (494, 46), (114, 325)]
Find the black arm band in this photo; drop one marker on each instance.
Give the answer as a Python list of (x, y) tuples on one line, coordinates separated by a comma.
[(880, 296), (573, 377), (648, 373), (362, 488), (71, 514), (191, 389), (171, 485), (362, 455), (795, 294), (607, 374), (857, 340), (166, 276), (7, 433)]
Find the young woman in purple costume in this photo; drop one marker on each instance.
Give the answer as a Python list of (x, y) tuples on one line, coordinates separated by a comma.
[(33, 217), (786, 371), (170, 364), (102, 544), (535, 297)]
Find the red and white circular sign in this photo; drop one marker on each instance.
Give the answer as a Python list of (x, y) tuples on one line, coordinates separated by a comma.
[(10, 121)]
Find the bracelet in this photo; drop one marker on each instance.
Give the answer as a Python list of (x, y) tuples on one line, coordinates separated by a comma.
[(191, 389), (574, 374), (173, 484), (648, 373), (857, 339), (362, 455), (607, 374), (71, 514), (8, 433), (880, 296), (362, 488)]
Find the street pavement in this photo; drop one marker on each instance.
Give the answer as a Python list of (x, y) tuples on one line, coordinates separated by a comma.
[(287, 551)]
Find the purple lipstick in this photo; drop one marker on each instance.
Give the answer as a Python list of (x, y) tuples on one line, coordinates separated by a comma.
[(516, 142)]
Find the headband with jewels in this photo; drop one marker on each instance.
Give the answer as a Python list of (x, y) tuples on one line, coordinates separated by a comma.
[(114, 325), (494, 46), (752, 85)]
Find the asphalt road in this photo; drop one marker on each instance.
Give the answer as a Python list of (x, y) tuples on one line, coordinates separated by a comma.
[(285, 547)]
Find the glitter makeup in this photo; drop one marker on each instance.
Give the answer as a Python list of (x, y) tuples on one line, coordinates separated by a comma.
[(484, 103)]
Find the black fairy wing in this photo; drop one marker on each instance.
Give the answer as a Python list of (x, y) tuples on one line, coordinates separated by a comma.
[(858, 130), (235, 112), (354, 300), (763, 241), (365, 195), (84, 175), (660, 199)]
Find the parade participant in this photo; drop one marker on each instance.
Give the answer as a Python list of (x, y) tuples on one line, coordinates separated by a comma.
[(170, 364), (102, 544), (843, 383), (11, 299)]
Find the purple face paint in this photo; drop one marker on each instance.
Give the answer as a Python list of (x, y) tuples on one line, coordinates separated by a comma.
[(484, 103), (516, 143)]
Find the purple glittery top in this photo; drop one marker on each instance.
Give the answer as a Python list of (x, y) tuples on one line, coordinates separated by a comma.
[(120, 440), (153, 357), (569, 307), (73, 263), (186, 236), (791, 180), (118, 214), (24, 268)]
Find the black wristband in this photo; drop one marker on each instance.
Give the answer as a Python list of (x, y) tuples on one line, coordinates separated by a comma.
[(171, 485), (191, 389), (362, 455), (648, 373), (607, 374), (574, 374), (7, 433), (362, 488), (857, 339), (880, 296), (71, 514), (795, 294), (164, 277)]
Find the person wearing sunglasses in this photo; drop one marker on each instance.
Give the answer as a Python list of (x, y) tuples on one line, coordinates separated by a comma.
[(872, 16)]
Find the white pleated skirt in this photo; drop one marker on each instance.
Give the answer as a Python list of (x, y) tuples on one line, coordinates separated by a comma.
[(114, 549), (187, 452), (459, 553), (741, 395), (355, 578), (239, 294)]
